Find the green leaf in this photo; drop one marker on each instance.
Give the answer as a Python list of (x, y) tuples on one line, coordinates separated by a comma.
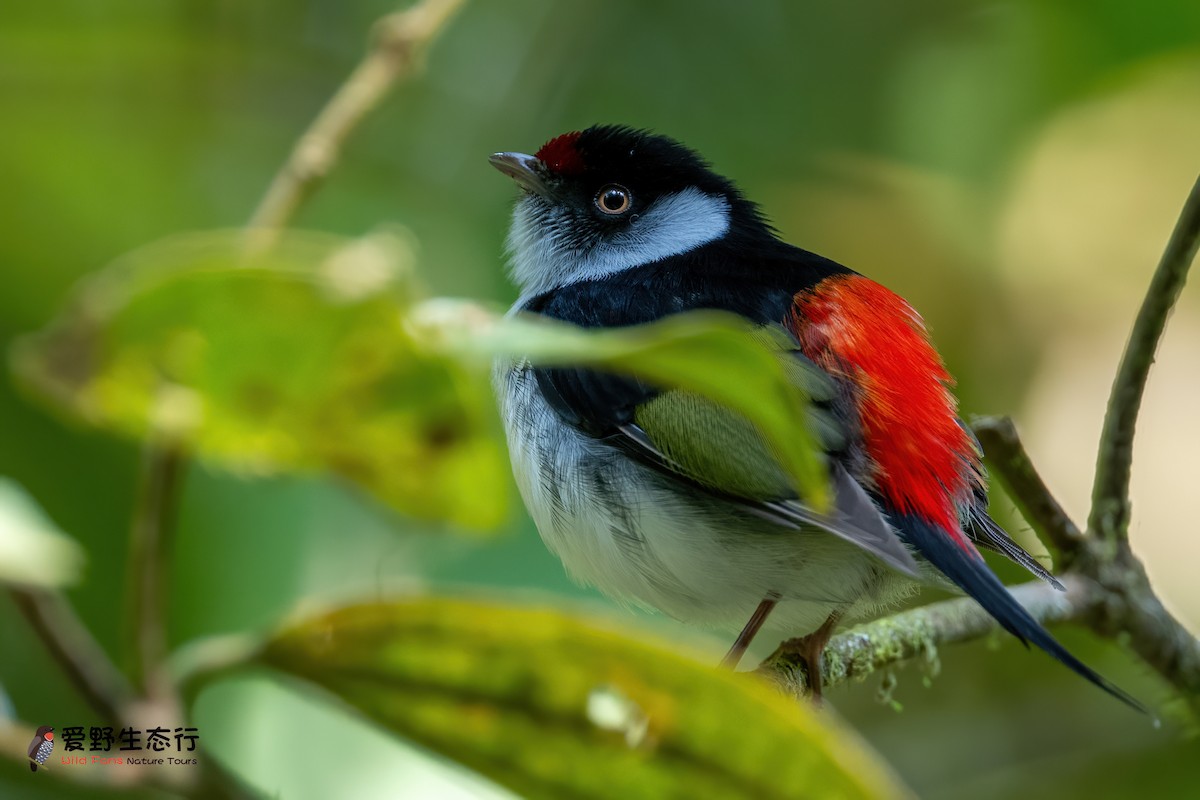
[(556, 707), (312, 357), (718, 355), (296, 360), (33, 551)]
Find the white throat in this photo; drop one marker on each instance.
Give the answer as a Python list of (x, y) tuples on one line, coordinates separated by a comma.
[(545, 255)]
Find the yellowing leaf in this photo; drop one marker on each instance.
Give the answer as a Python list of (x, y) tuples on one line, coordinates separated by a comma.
[(294, 360), (554, 707), (312, 357)]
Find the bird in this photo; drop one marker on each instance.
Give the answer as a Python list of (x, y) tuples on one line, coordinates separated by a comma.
[(663, 499), (41, 747)]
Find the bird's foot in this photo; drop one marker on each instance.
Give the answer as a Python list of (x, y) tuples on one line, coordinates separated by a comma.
[(808, 651)]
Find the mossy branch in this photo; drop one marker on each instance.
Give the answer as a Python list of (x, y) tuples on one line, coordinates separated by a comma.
[(917, 634)]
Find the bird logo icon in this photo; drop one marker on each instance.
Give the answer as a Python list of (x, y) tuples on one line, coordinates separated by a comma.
[(41, 747)]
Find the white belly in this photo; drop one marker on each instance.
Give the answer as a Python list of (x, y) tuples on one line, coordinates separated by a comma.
[(638, 536)]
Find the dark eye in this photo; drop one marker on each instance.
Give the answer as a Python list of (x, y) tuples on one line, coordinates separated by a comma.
[(613, 199)]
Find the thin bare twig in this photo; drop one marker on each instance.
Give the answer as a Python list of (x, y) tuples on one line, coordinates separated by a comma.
[(400, 41), (1008, 461), (1109, 517), (72, 646), (163, 468), (203, 660)]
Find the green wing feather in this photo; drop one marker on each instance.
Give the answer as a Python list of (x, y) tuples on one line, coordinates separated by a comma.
[(720, 449), (706, 444)]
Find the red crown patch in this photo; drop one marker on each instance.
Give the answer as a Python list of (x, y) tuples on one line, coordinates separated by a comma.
[(562, 155)]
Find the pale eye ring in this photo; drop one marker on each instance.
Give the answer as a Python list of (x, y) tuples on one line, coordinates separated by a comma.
[(613, 199)]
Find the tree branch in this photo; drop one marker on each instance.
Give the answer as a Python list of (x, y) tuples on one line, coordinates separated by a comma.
[(400, 41), (71, 645), (1008, 461), (917, 634), (202, 661), (1109, 518), (1131, 611), (163, 468)]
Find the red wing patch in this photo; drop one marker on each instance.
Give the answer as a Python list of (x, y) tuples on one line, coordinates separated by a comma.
[(924, 460), (562, 155)]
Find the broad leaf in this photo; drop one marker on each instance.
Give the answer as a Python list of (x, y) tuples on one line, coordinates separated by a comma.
[(313, 357), (295, 360), (556, 707)]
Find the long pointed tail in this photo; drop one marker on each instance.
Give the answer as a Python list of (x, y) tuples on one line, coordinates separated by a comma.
[(971, 573)]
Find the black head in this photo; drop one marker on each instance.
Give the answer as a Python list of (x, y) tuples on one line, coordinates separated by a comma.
[(608, 198)]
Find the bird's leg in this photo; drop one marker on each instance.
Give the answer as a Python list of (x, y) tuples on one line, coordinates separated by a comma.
[(731, 659), (809, 649)]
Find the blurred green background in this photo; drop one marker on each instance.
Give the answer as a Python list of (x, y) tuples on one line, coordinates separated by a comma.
[(1012, 168)]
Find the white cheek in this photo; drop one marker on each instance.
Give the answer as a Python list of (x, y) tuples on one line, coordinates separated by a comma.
[(675, 224), (544, 255)]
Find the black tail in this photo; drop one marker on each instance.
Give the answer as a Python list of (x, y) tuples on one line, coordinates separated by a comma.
[(33, 766), (972, 574)]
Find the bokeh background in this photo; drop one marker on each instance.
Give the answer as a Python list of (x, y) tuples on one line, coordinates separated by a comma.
[(1013, 168)]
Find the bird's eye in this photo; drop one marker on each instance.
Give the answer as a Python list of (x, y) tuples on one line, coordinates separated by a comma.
[(613, 199)]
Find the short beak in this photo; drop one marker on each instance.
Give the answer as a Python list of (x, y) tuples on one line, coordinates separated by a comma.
[(529, 172)]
